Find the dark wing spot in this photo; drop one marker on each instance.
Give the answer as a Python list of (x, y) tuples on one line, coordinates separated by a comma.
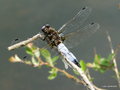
[(83, 8), (24, 57), (92, 23)]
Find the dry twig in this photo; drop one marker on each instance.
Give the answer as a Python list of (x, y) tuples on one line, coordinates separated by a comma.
[(85, 81), (25, 42), (114, 59)]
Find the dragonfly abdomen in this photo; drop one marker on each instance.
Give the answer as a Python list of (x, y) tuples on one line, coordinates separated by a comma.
[(67, 54)]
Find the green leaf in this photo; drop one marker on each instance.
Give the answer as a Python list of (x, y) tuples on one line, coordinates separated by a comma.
[(97, 59), (104, 62), (53, 74), (34, 62), (102, 70), (111, 56), (83, 65), (45, 53), (52, 70), (29, 51), (55, 58), (96, 66), (37, 53)]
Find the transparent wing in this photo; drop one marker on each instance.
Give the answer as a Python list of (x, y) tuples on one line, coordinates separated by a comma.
[(76, 21), (74, 39), (14, 41)]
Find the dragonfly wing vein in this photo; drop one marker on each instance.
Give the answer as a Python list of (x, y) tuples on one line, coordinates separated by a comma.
[(76, 21), (74, 38)]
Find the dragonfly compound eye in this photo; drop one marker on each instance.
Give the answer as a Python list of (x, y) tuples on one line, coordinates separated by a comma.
[(43, 28), (47, 25)]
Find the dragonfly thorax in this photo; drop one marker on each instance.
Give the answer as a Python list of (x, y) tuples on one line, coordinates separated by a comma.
[(51, 36)]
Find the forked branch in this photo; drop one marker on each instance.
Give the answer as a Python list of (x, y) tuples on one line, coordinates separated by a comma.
[(86, 82)]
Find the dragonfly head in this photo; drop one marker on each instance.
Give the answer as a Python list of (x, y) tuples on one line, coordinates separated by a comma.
[(45, 28)]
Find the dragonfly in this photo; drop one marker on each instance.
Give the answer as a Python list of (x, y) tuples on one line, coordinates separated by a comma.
[(70, 35)]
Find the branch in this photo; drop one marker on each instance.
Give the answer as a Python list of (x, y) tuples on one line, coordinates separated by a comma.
[(82, 74), (42, 63), (25, 42), (86, 83), (114, 59), (60, 70)]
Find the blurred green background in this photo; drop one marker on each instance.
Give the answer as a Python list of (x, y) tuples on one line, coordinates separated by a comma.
[(24, 18)]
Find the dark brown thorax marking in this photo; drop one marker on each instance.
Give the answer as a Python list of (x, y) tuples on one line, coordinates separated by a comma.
[(51, 36)]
